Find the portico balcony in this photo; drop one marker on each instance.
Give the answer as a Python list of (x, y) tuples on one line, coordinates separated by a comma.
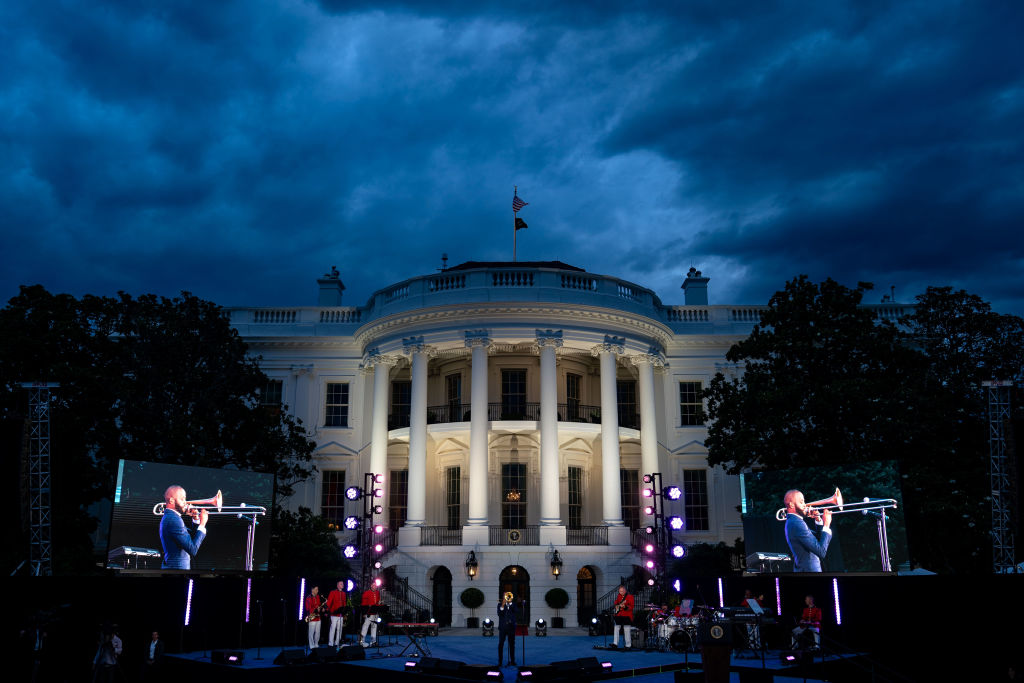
[(460, 412)]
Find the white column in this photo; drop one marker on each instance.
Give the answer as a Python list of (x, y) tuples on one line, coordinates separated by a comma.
[(379, 417), (610, 461), (417, 510), (478, 426), (645, 365), (549, 467)]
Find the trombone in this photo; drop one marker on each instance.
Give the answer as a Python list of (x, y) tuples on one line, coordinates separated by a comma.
[(214, 506), (836, 505)]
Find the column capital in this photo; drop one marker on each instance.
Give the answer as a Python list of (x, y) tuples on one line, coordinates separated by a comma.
[(616, 345), (653, 357), (413, 345), (478, 338), (552, 338), (374, 358)]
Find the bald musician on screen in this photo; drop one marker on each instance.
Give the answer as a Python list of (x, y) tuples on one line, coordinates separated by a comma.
[(807, 550), (179, 545)]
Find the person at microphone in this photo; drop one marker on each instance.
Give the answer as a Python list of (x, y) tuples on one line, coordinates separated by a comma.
[(807, 550), (507, 613), (314, 603), (623, 611), (179, 545), (371, 603), (336, 601)]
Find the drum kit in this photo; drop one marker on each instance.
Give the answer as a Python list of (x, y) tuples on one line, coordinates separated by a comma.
[(668, 632)]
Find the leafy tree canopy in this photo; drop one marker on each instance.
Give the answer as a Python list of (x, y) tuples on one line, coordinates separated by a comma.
[(147, 378), (304, 544)]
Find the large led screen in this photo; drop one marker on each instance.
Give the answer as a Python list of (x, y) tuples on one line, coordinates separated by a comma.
[(859, 539), (145, 535)]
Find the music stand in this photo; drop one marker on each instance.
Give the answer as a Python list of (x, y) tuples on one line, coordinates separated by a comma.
[(523, 630)]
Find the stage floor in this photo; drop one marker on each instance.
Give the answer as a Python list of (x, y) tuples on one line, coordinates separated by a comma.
[(470, 647)]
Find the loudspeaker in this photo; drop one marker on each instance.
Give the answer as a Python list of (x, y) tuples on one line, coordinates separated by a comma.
[(322, 655), (289, 657), (350, 652), (566, 666), (590, 666), (756, 676), (233, 657)]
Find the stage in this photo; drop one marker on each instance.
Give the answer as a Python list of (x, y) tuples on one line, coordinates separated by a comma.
[(479, 655)]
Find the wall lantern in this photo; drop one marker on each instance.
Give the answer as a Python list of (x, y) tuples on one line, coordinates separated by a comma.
[(471, 565), (556, 565)]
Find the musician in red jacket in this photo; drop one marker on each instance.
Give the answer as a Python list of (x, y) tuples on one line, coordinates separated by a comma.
[(314, 604), (622, 609), (810, 620), (371, 604), (336, 602)]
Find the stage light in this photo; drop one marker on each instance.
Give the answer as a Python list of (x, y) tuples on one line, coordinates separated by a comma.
[(188, 603), (673, 493), (650, 582), (350, 551), (778, 598), (248, 595), (379, 548), (649, 564), (540, 628), (649, 547), (378, 529), (353, 493), (607, 666), (378, 493), (648, 478), (487, 628), (721, 594), (678, 551), (649, 510), (302, 596), (378, 564), (594, 628), (380, 620), (410, 666), (648, 493), (495, 675), (378, 509), (649, 530), (835, 596), (350, 585), (378, 479), (677, 585), (351, 522), (377, 582), (675, 522)]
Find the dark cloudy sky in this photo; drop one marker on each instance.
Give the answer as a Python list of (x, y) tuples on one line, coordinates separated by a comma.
[(239, 149)]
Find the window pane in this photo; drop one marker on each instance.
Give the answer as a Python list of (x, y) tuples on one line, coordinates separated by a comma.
[(332, 496), (695, 498), (572, 397), (513, 393), (626, 393), (630, 487), (271, 396), (691, 406), (453, 477), (398, 498), (513, 495), (336, 409), (401, 404), (575, 497)]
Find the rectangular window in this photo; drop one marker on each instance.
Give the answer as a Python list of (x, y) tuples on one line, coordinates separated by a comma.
[(336, 409), (398, 498), (453, 496), (513, 495), (513, 394), (401, 404), (575, 497), (691, 405), (630, 487), (572, 398), (332, 496), (625, 391), (695, 499), (453, 396), (272, 394)]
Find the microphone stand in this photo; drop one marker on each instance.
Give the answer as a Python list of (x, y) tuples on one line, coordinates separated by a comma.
[(259, 628), (284, 621)]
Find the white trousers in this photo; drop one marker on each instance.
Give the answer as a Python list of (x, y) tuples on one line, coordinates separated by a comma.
[(369, 622), (314, 634), (626, 631), (337, 626)]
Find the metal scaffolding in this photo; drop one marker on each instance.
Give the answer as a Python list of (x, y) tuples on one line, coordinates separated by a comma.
[(1003, 481), (40, 555)]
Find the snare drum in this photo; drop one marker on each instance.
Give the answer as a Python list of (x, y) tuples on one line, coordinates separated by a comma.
[(673, 622)]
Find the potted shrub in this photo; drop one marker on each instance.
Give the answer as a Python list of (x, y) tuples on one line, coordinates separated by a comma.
[(557, 599), (471, 598)]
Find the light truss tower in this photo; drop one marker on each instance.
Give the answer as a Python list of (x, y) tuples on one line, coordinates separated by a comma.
[(40, 555), (1003, 482)]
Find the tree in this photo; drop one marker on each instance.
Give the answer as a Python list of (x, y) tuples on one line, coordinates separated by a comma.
[(303, 544), (152, 378), (822, 381)]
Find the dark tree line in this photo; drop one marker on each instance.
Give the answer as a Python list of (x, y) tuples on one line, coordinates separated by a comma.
[(146, 378), (822, 380)]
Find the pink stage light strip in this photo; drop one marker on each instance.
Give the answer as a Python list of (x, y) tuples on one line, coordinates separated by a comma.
[(835, 596), (302, 593), (778, 598), (721, 595), (188, 603), (248, 596)]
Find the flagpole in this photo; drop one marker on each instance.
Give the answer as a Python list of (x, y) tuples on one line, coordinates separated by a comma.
[(515, 193)]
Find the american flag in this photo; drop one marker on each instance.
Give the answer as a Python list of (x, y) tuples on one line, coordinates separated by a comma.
[(517, 203)]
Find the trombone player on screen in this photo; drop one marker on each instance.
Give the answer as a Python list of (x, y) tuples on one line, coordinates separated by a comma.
[(807, 549), (179, 545)]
